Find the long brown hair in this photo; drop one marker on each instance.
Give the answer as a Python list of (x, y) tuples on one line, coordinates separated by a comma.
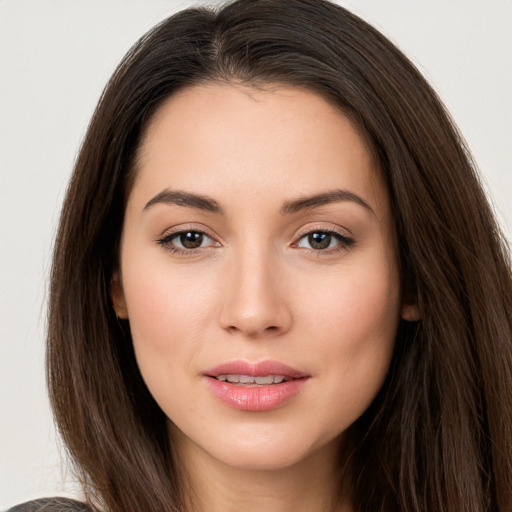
[(438, 437)]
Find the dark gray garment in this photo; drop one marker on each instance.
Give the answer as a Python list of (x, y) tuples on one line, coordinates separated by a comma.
[(52, 505)]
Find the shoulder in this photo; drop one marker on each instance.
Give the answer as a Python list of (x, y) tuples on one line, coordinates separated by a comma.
[(52, 505)]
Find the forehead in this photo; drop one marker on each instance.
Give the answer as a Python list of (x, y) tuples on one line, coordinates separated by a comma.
[(227, 138)]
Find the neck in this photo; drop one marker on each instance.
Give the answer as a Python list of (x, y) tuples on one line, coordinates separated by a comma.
[(308, 486)]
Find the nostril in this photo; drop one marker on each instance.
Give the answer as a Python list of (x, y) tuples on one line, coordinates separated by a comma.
[(253, 331)]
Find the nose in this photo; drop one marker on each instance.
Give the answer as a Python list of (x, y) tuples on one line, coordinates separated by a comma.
[(256, 301)]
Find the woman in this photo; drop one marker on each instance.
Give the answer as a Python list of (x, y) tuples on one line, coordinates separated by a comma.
[(277, 282)]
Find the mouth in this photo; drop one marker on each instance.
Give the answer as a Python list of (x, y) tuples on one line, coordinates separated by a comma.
[(249, 380), (256, 387), (261, 373)]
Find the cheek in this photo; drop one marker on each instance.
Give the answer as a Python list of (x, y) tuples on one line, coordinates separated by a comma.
[(359, 304), (355, 326), (167, 311), (164, 299)]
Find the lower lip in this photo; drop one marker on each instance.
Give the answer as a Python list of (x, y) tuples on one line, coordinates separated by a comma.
[(256, 398)]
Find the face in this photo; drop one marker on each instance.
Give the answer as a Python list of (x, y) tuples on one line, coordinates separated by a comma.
[(258, 273)]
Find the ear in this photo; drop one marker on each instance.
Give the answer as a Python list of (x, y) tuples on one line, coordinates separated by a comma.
[(117, 296), (410, 308)]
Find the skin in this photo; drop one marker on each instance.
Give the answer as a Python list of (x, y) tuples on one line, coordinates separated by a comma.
[(255, 290)]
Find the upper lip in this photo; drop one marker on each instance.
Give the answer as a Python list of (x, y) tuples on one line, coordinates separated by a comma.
[(255, 369)]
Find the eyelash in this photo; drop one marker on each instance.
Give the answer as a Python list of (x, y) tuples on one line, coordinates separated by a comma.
[(166, 242), (344, 242)]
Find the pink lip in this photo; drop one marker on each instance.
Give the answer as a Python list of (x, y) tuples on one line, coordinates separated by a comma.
[(255, 398), (257, 369)]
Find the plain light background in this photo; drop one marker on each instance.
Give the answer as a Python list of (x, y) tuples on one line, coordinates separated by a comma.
[(56, 56)]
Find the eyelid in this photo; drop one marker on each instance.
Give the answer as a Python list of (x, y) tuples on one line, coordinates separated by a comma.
[(180, 228), (326, 228)]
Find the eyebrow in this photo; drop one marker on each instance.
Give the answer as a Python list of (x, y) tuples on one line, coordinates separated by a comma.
[(324, 198), (181, 198), (208, 204)]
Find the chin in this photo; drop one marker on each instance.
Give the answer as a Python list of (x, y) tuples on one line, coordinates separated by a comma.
[(257, 459), (268, 449)]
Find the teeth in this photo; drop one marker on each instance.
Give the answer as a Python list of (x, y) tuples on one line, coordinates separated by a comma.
[(248, 379), (264, 380)]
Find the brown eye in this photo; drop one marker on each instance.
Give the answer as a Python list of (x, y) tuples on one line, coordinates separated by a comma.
[(322, 240), (319, 240), (191, 239), (185, 241)]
